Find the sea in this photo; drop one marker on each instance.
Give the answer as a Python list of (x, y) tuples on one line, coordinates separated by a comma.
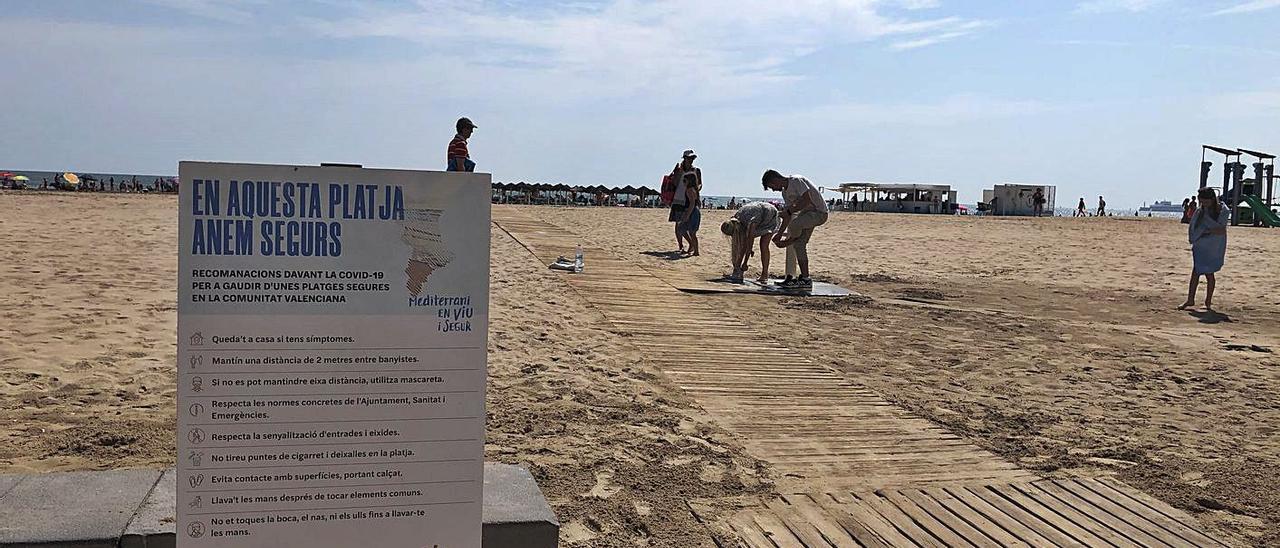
[(723, 201)]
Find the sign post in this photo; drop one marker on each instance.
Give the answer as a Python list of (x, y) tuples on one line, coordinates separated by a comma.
[(332, 326)]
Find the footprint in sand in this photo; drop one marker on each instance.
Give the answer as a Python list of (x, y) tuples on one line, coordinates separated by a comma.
[(681, 460), (1195, 478), (712, 473), (577, 533), (604, 487)]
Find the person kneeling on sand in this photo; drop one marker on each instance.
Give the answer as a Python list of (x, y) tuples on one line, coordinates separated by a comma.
[(803, 211), (752, 220)]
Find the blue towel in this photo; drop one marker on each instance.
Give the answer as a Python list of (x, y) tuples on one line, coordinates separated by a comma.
[(1208, 251)]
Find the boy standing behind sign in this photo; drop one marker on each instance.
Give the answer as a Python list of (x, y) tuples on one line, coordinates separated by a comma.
[(459, 158)]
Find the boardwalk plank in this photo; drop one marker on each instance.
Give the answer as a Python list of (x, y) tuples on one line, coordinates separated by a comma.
[(853, 516), (1087, 533), (836, 533), (1103, 511), (952, 520), (994, 523), (898, 518), (799, 525), (1155, 511), (1027, 518), (924, 519)]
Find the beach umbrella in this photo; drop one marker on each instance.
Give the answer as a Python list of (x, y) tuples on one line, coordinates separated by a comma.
[(6, 175), (71, 178), (644, 193), (21, 178)]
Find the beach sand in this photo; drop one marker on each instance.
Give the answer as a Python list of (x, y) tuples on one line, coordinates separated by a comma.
[(1052, 342)]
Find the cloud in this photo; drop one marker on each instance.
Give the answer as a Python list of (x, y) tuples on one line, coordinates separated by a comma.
[(1249, 7), (1093, 7), (919, 4), (959, 31), (699, 50)]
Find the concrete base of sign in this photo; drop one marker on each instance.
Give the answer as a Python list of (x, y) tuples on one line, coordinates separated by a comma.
[(135, 509), (515, 514)]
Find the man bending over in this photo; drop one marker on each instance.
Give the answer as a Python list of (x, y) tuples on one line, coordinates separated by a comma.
[(803, 210)]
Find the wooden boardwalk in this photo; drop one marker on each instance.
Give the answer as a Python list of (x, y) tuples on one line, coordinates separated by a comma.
[(856, 463), (1076, 512)]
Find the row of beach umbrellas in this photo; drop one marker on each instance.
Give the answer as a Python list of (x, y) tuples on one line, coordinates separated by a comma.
[(71, 179), (561, 187)]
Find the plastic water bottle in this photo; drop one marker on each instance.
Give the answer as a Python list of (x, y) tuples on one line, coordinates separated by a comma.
[(578, 261)]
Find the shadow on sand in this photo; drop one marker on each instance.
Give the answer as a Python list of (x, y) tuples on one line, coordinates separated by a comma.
[(668, 255), (1210, 316)]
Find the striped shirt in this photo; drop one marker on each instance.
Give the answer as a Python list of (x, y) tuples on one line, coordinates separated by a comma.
[(457, 149)]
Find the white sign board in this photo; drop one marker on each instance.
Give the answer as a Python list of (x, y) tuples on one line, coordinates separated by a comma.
[(332, 326)]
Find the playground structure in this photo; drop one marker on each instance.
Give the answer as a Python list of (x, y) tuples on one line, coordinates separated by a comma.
[(897, 197), (1018, 200), (1251, 200)]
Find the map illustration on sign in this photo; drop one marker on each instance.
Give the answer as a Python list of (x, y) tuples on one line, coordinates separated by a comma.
[(428, 249)]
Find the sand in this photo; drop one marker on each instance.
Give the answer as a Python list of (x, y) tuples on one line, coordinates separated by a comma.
[(87, 350), (1052, 342)]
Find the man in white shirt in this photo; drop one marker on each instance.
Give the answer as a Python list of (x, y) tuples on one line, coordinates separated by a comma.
[(803, 211)]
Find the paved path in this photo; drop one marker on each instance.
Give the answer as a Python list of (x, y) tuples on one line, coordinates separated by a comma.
[(855, 463)]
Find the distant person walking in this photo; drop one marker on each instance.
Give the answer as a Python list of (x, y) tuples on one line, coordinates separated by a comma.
[(1081, 210), (752, 220), (1188, 209), (803, 210), (680, 199), (1208, 236), (1037, 202), (458, 157), (1102, 207)]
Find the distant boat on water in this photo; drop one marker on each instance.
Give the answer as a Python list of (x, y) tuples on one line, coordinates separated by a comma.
[(1161, 206)]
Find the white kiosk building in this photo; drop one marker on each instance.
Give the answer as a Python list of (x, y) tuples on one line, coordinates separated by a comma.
[(1015, 199), (898, 197)]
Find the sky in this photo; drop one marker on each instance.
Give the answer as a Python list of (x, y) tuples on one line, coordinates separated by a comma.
[(1110, 97)]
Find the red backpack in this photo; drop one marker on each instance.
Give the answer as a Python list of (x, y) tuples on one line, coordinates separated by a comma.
[(668, 189)]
